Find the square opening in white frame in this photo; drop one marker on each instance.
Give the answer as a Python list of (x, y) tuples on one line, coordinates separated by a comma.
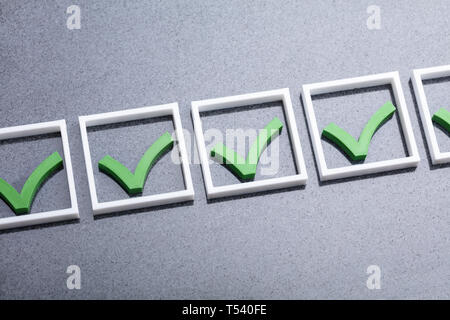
[(390, 78), (30, 130), (418, 76), (142, 201), (252, 186)]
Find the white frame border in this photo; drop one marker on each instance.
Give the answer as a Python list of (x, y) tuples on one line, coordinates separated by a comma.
[(391, 78), (418, 75), (47, 216), (241, 101), (170, 109)]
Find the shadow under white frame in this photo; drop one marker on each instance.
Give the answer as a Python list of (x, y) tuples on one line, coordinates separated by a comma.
[(48, 216), (170, 109), (391, 78), (241, 101), (418, 75)]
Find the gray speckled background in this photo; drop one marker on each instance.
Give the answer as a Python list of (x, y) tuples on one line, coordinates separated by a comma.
[(314, 242)]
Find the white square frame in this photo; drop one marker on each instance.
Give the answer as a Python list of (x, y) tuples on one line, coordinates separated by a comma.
[(418, 75), (170, 109), (29, 130), (241, 101), (391, 78)]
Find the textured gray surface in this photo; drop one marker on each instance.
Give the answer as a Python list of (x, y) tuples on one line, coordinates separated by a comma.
[(314, 242)]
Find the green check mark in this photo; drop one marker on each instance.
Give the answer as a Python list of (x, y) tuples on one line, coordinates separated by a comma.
[(20, 203), (245, 169), (442, 118), (357, 150), (134, 183)]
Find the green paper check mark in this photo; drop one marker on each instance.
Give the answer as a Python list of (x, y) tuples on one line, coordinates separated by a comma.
[(357, 150), (20, 203), (245, 169), (134, 183), (442, 118)]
